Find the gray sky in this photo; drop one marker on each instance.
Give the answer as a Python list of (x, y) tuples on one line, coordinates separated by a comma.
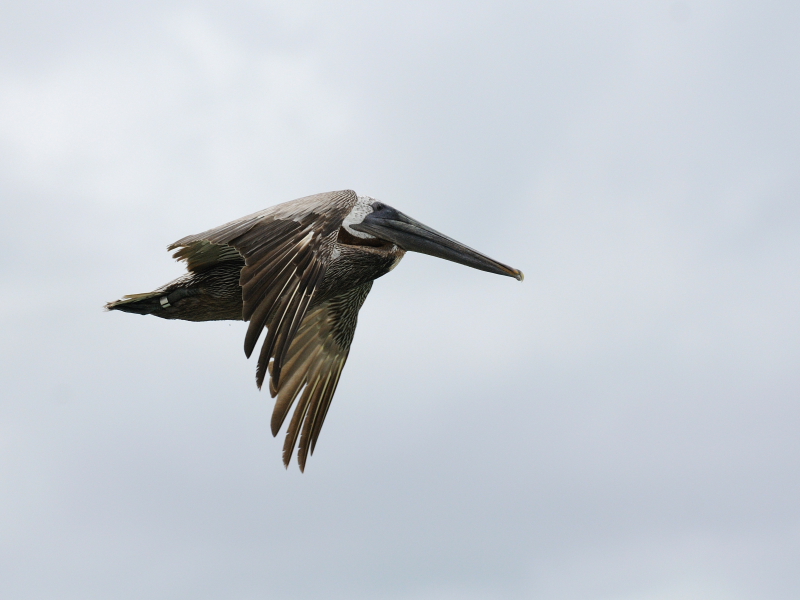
[(621, 426)]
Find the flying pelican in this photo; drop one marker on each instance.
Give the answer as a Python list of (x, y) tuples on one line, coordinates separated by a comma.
[(301, 270)]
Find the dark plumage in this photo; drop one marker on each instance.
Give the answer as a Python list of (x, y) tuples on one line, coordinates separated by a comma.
[(301, 270)]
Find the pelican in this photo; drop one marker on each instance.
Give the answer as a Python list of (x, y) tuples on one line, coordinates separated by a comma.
[(301, 270)]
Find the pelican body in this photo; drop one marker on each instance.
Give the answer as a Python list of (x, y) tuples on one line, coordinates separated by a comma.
[(301, 271)]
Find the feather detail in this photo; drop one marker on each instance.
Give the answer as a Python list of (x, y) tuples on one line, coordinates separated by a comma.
[(286, 249), (314, 364)]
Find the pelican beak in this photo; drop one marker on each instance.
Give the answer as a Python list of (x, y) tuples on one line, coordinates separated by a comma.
[(393, 226)]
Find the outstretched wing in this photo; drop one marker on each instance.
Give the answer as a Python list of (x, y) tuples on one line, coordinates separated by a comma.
[(286, 250), (313, 364)]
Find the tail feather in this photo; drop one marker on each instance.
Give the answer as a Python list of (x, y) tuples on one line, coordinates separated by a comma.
[(212, 295), (140, 304)]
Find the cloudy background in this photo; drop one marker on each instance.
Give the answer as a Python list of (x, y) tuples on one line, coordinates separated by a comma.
[(621, 426)]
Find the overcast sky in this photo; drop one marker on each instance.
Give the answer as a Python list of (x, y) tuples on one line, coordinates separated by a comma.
[(623, 425)]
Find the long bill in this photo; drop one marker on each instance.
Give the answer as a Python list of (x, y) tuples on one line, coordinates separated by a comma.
[(393, 226)]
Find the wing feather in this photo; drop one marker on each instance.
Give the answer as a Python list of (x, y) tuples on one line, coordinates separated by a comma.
[(314, 363), (325, 406), (286, 250), (203, 255), (293, 430), (323, 393), (261, 315), (291, 387)]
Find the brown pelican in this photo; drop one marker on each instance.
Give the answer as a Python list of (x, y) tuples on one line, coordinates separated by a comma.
[(301, 270)]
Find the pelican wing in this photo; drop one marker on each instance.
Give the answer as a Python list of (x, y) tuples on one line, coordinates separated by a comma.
[(313, 365), (286, 250), (202, 255)]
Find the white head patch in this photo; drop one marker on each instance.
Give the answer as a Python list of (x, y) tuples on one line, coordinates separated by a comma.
[(362, 208)]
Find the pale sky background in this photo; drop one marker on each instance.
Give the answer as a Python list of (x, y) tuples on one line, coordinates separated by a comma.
[(623, 425)]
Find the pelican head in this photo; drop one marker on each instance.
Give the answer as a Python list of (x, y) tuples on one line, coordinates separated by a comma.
[(373, 218)]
